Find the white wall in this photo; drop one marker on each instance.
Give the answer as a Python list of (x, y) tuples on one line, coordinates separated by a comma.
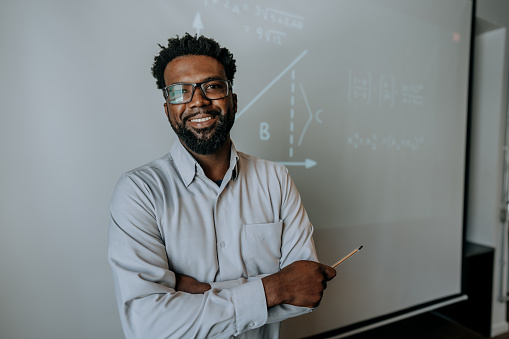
[(488, 134), (486, 162)]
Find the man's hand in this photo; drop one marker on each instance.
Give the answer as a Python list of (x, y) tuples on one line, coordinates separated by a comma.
[(189, 284), (300, 283)]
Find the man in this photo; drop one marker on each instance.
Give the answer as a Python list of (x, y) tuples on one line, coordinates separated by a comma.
[(207, 241)]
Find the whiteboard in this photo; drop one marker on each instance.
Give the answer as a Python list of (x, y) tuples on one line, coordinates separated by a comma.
[(364, 101)]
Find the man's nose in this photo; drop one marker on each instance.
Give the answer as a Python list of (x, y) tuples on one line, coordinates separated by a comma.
[(199, 98)]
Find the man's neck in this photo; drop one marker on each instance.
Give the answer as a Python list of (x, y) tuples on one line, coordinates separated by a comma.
[(214, 165)]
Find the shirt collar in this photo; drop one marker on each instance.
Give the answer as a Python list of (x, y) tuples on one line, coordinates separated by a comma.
[(234, 163), (188, 167)]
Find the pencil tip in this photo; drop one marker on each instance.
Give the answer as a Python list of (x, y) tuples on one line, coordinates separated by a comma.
[(361, 247)]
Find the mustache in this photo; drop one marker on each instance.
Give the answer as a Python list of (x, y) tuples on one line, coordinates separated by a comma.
[(191, 115)]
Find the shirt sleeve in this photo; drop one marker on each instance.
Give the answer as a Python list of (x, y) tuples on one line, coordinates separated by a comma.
[(148, 303), (297, 241)]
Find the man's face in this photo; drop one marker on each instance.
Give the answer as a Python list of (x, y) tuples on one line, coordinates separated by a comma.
[(202, 125)]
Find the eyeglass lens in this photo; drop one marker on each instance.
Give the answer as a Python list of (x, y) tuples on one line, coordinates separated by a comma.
[(183, 93)]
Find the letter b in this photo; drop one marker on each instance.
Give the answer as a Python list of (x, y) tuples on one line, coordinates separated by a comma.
[(264, 131)]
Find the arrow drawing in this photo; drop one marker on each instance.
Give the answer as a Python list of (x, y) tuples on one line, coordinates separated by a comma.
[(307, 163), (197, 23)]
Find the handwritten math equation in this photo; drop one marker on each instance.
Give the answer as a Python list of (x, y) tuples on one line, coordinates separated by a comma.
[(383, 90), (372, 142), (264, 23)]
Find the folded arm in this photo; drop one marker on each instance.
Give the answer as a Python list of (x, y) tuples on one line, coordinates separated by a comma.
[(148, 296)]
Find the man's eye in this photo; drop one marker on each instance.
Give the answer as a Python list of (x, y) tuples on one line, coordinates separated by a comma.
[(215, 86), (180, 88)]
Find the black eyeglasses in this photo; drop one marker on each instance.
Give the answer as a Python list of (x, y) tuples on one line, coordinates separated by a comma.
[(182, 93)]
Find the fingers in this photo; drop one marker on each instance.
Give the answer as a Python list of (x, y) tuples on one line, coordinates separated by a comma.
[(310, 282), (185, 283), (330, 273)]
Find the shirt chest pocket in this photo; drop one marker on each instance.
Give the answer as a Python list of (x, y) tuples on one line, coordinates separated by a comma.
[(261, 247)]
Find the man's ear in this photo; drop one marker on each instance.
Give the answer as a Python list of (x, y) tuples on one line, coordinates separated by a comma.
[(166, 112), (234, 98)]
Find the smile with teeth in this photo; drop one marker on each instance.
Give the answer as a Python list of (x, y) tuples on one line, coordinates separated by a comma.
[(201, 119)]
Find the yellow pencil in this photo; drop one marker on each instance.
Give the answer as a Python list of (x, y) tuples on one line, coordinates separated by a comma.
[(346, 257)]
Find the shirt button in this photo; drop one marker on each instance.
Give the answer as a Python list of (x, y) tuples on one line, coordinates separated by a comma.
[(218, 198), (222, 244), (251, 324)]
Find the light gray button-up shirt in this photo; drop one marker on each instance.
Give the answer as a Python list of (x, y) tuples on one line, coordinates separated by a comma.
[(167, 217)]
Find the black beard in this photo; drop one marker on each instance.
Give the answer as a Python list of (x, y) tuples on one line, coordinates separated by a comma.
[(201, 144)]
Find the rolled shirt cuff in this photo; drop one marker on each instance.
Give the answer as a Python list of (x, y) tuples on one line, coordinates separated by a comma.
[(221, 285), (250, 305)]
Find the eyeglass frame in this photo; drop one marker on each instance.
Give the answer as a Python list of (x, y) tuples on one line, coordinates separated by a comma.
[(229, 88)]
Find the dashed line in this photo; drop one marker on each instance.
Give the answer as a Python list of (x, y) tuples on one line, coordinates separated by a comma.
[(292, 111)]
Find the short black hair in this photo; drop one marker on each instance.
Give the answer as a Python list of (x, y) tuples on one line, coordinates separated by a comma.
[(191, 45)]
